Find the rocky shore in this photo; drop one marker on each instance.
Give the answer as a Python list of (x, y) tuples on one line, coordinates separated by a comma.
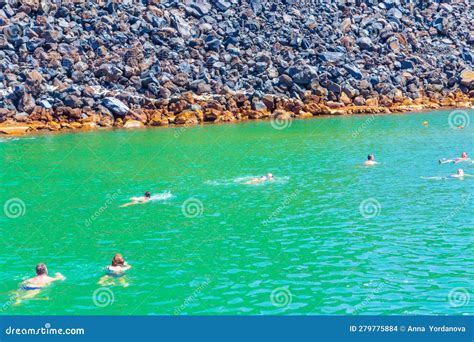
[(88, 64)]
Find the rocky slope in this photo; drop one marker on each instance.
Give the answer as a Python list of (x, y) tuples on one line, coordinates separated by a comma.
[(85, 64)]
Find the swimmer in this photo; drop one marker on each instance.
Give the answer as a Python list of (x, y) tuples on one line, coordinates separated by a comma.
[(119, 265), (370, 160), (460, 174), (116, 272), (41, 280), (464, 157), (138, 200), (267, 177)]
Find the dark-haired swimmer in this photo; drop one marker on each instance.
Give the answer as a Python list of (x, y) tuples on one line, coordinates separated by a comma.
[(138, 200), (42, 279), (370, 160)]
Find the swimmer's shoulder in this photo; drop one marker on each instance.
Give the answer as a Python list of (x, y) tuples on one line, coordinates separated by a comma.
[(117, 269)]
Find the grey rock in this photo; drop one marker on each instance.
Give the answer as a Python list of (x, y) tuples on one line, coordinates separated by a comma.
[(365, 43), (332, 57), (286, 80), (181, 26), (202, 6), (117, 107), (21, 117), (222, 4), (407, 64), (45, 104), (27, 103), (259, 105), (353, 71)]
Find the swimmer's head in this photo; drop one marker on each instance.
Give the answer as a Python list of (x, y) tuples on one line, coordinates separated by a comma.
[(370, 157), (460, 172), (41, 269), (464, 155), (147, 194), (118, 260), (269, 176)]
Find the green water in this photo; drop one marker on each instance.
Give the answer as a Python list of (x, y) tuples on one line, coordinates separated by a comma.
[(302, 237)]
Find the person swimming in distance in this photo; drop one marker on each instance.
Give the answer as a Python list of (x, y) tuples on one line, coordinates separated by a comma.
[(460, 174), (138, 200), (464, 157), (42, 279), (370, 160), (266, 178), (119, 265), (116, 272)]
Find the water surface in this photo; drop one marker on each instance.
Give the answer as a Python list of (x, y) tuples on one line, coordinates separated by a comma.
[(298, 245)]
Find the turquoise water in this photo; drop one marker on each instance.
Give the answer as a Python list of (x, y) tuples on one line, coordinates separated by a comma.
[(328, 236)]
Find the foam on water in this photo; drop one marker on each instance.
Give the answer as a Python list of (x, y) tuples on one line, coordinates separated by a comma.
[(161, 197), (242, 180), (158, 197)]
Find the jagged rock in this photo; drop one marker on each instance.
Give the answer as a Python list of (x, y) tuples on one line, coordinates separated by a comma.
[(203, 7), (332, 57), (27, 103), (182, 26), (359, 101), (353, 71), (467, 78), (365, 43), (406, 64), (186, 117), (45, 104), (117, 107), (286, 80), (222, 4), (259, 105), (133, 124)]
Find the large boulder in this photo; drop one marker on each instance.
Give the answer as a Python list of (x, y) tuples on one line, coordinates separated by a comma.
[(117, 107), (467, 78)]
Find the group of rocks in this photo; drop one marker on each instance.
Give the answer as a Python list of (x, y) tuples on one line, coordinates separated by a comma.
[(101, 63)]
